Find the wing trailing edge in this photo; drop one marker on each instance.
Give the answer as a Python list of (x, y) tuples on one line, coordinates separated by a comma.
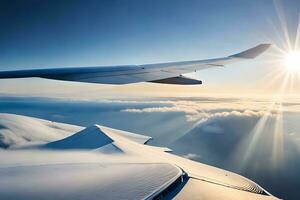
[(179, 80)]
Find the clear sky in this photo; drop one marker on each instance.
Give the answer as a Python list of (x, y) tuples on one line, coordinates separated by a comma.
[(40, 34)]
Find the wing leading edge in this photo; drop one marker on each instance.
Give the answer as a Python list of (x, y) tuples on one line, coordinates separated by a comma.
[(170, 73)]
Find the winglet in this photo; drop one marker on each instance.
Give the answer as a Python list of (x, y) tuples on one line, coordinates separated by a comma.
[(253, 52)]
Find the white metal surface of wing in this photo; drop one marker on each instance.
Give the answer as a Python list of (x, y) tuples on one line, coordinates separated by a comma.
[(170, 73)]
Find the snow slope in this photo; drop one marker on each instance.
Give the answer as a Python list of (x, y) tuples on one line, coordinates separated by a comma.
[(88, 172), (20, 130), (85, 181), (89, 138)]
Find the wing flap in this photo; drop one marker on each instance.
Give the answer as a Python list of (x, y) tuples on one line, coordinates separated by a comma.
[(179, 80)]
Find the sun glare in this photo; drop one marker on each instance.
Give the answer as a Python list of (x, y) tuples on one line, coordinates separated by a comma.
[(292, 61)]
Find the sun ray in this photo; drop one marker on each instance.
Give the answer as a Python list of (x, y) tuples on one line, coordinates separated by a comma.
[(297, 44), (255, 135), (282, 20), (277, 149), (280, 51), (278, 35), (267, 81)]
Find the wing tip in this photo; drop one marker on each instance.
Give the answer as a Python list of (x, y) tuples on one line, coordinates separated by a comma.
[(253, 52)]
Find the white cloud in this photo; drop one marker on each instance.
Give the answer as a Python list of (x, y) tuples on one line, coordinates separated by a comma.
[(201, 111)]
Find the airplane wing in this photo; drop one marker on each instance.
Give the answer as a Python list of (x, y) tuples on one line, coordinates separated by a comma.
[(170, 73)]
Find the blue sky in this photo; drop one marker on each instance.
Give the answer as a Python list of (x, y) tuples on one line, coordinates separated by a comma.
[(39, 34)]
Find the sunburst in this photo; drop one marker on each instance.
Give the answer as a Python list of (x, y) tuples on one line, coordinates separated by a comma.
[(292, 61), (285, 77)]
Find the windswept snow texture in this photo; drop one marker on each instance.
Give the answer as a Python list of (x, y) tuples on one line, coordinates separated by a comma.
[(17, 130), (142, 139), (21, 130), (89, 172), (85, 181)]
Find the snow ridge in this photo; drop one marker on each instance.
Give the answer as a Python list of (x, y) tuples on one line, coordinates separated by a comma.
[(89, 138)]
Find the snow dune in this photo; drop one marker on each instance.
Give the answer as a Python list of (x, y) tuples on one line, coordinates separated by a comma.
[(85, 181), (93, 169), (89, 138), (21, 130)]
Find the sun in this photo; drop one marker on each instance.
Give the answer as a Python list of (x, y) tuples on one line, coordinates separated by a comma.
[(292, 61)]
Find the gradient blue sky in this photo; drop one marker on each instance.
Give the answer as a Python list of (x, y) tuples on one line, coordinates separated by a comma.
[(38, 34)]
